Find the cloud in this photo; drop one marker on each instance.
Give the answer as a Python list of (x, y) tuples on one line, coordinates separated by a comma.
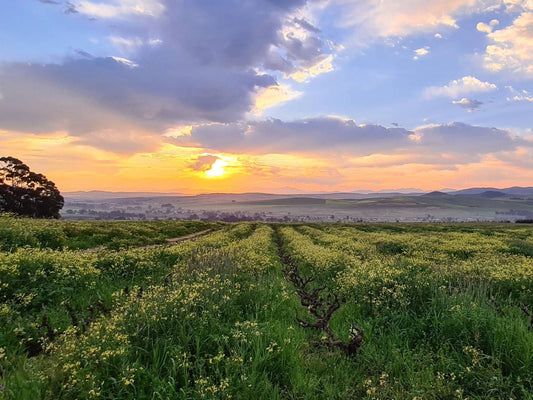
[(337, 137), (299, 52), (464, 139), (517, 95), (387, 18), (121, 141), (210, 62), (126, 45), (511, 48), (487, 28), (512, 6), (460, 87), (272, 96), (469, 104), (316, 134), (321, 67), (69, 8), (423, 51), (112, 94), (524, 97), (126, 62), (482, 27), (306, 25), (203, 162), (112, 9)]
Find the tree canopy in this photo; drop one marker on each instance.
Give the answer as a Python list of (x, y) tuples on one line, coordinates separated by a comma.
[(27, 193)]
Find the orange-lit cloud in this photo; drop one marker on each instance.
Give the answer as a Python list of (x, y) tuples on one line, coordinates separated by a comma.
[(272, 96), (399, 18), (73, 165), (320, 67)]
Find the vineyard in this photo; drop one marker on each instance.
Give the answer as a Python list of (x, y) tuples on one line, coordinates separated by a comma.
[(265, 311)]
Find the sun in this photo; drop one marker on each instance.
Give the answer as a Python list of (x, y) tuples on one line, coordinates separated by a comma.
[(217, 169)]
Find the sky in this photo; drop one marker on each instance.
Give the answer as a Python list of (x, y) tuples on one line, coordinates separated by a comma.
[(280, 96)]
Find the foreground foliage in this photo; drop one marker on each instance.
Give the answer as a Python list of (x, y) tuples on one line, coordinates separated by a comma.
[(440, 306)]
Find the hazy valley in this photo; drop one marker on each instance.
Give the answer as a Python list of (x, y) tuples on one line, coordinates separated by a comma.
[(476, 204)]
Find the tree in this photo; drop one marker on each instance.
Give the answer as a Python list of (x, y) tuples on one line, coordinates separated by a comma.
[(27, 193)]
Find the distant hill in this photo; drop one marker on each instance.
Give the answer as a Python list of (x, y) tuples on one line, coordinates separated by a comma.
[(487, 193), (515, 190), (476, 204), (492, 194), (436, 193), (105, 195), (290, 201)]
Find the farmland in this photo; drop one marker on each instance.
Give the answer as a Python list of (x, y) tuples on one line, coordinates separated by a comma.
[(265, 311), (470, 205)]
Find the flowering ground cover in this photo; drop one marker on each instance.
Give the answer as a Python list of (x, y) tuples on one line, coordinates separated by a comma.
[(267, 311)]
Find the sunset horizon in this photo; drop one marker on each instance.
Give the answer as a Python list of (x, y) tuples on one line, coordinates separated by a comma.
[(269, 96)]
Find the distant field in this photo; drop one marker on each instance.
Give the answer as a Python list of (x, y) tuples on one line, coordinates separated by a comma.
[(442, 306), (339, 207)]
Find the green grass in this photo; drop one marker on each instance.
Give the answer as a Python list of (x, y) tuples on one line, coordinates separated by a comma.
[(215, 319)]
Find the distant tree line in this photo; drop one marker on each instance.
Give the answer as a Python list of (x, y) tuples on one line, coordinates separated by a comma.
[(27, 193)]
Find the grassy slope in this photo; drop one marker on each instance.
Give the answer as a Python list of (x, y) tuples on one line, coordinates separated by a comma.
[(441, 201), (439, 304)]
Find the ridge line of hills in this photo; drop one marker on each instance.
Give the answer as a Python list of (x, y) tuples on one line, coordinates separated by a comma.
[(482, 192)]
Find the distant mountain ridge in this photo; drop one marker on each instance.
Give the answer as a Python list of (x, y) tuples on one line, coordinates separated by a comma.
[(484, 192), (103, 194), (515, 190)]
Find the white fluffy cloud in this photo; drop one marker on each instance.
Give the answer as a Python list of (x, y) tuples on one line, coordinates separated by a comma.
[(460, 87), (511, 48), (423, 51), (519, 95)]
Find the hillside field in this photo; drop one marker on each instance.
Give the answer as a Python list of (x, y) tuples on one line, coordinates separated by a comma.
[(265, 311)]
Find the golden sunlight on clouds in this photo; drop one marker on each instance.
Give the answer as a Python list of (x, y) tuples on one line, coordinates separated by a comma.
[(217, 169), (272, 96), (323, 66), (512, 47), (174, 169), (178, 131)]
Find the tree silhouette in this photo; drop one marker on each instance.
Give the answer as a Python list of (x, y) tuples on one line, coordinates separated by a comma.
[(27, 193)]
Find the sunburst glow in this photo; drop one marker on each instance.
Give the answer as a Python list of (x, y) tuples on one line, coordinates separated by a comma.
[(217, 169)]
